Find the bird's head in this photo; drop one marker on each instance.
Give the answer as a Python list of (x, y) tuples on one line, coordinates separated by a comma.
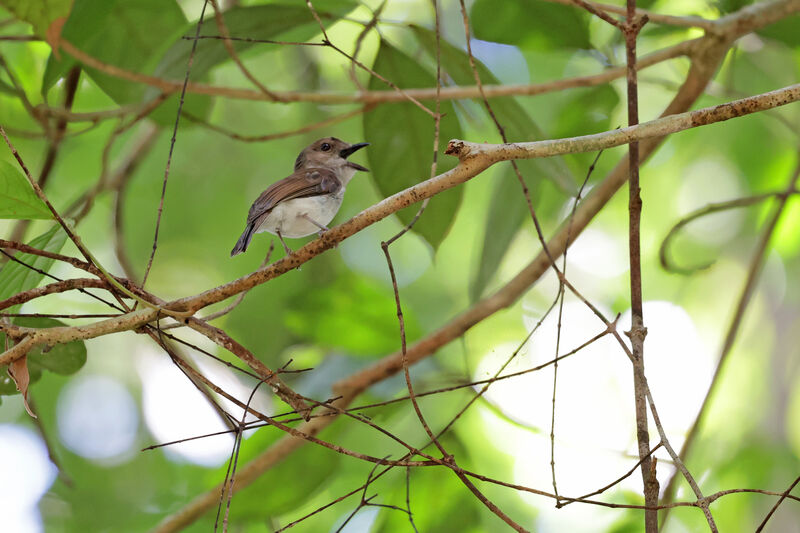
[(329, 152)]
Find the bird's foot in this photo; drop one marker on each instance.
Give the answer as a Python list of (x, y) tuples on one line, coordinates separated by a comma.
[(285, 246)]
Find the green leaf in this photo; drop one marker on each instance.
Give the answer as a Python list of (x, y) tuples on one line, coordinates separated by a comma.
[(585, 111), (128, 35), (64, 359), (531, 24), (729, 6), (39, 13), (786, 30), (508, 208), (8, 89), (254, 22), (15, 278), (401, 137), (17, 199)]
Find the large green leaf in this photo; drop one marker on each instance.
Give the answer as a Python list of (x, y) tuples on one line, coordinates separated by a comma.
[(41, 14), (15, 278), (531, 23), (255, 22), (585, 110), (17, 199), (401, 137), (289, 20), (786, 30), (508, 208), (146, 36), (131, 35)]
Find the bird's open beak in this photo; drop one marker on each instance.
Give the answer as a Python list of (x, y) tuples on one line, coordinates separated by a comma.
[(349, 150)]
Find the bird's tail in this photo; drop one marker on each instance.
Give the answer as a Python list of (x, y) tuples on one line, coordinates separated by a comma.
[(244, 240)]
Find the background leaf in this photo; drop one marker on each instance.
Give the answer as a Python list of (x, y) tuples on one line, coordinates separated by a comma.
[(120, 33), (252, 22), (15, 278), (17, 198), (401, 137), (531, 24), (508, 208), (64, 359), (39, 13)]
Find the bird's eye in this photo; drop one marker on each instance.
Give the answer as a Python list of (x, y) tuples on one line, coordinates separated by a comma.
[(325, 147)]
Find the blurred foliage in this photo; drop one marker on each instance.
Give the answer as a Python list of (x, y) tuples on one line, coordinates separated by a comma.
[(338, 312)]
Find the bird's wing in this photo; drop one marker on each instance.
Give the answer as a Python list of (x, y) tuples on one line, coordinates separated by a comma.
[(306, 182)]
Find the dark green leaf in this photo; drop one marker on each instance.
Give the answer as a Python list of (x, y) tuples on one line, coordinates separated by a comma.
[(39, 13), (786, 30), (128, 35), (531, 24), (255, 22), (7, 89), (729, 6), (17, 199), (15, 278), (508, 208), (512, 116), (64, 359), (401, 137), (585, 111)]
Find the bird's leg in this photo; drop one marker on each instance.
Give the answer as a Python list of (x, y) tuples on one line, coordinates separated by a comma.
[(285, 247), (322, 227)]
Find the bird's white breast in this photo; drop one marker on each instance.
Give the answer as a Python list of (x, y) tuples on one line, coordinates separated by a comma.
[(287, 217)]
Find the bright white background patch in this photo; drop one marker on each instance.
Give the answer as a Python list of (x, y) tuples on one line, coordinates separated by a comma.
[(594, 424), (174, 409), (98, 419), (26, 473)]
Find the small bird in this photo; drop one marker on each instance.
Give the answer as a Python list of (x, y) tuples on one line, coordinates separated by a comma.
[(306, 200)]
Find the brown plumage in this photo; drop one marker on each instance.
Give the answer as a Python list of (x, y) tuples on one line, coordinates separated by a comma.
[(306, 200)]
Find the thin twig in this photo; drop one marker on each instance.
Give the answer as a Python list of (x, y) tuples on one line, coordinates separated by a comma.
[(763, 523), (226, 41), (282, 134), (172, 144), (663, 254), (361, 65)]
